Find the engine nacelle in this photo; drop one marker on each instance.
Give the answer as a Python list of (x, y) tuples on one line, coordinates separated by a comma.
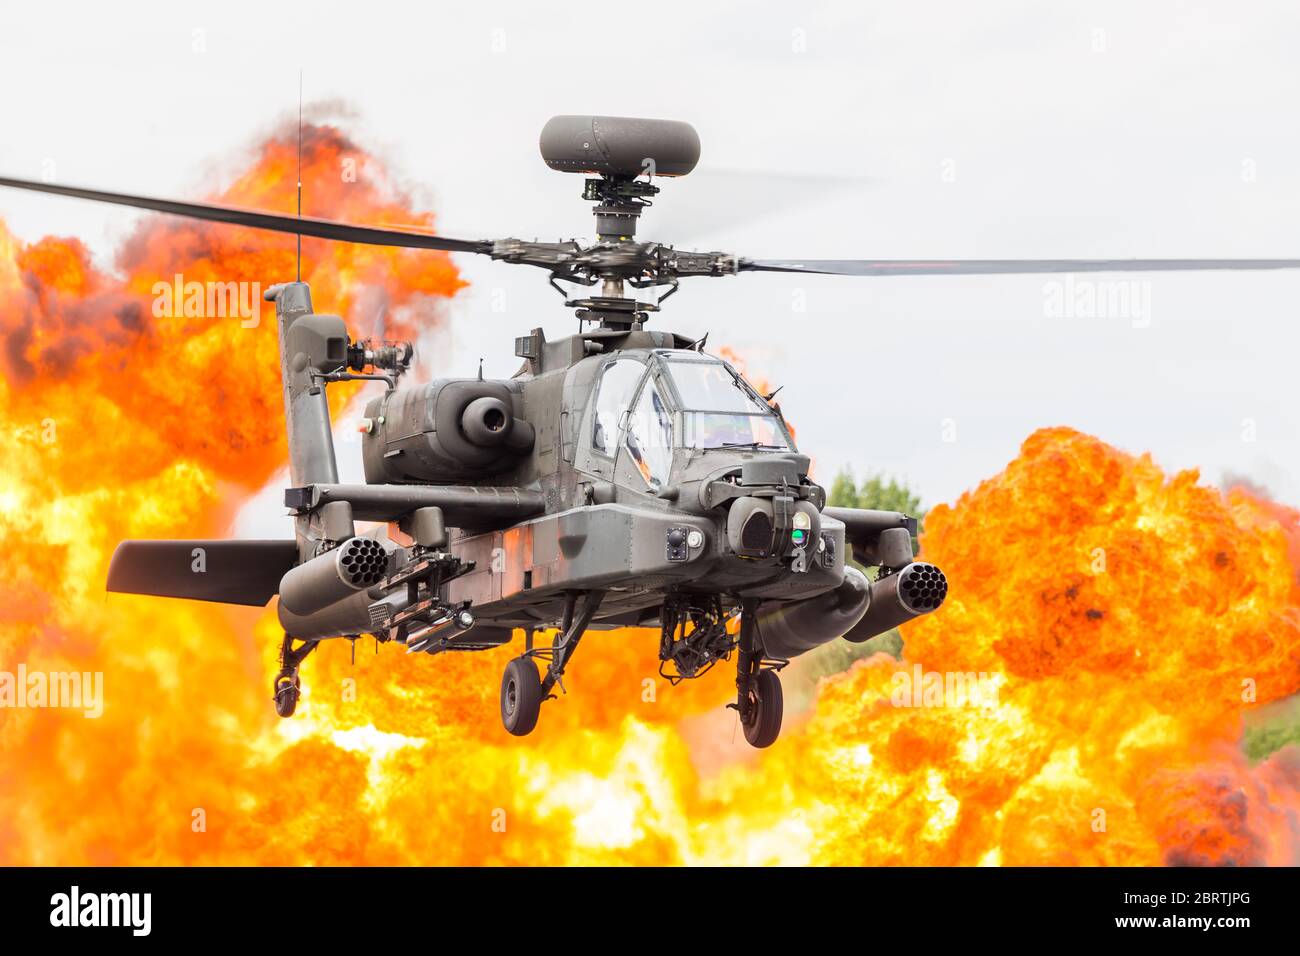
[(448, 430)]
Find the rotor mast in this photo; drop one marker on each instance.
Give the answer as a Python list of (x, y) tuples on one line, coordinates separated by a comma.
[(619, 199)]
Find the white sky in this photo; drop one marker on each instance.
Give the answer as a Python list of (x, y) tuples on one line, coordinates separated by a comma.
[(940, 129)]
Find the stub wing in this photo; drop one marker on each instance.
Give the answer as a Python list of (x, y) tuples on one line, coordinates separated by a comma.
[(228, 572), (862, 529)]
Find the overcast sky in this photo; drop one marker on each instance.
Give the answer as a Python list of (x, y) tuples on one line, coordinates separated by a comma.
[(942, 129)]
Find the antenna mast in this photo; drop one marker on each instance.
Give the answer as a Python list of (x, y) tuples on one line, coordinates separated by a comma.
[(299, 171)]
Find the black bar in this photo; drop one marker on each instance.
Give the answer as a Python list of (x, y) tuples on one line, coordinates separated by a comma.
[(911, 907)]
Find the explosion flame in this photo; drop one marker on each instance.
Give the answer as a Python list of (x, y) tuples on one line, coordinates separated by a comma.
[(1127, 620)]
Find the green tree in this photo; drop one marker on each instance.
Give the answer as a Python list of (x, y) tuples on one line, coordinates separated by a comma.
[(1272, 727), (875, 493), (844, 492)]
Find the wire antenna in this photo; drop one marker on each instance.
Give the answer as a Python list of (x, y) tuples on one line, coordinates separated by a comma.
[(299, 172)]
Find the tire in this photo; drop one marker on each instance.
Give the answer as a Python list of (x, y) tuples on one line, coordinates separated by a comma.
[(286, 696), (521, 696), (764, 725)]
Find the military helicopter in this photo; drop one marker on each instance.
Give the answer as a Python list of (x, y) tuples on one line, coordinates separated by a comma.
[(622, 477)]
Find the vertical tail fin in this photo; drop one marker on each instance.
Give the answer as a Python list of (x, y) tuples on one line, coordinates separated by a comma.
[(311, 345)]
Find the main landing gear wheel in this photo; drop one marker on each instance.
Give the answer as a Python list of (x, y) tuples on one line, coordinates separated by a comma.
[(521, 696), (762, 722)]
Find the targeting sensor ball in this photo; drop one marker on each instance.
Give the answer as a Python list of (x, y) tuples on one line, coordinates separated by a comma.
[(620, 146)]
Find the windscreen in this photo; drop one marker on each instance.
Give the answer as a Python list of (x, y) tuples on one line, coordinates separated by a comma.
[(719, 411)]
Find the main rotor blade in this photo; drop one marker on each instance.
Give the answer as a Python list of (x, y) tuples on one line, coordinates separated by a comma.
[(713, 200), (306, 226), (941, 267)]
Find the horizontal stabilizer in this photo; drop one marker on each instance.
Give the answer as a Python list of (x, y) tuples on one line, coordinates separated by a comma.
[(230, 572)]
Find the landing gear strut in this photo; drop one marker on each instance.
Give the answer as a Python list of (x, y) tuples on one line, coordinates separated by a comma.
[(288, 688), (759, 700), (522, 687)]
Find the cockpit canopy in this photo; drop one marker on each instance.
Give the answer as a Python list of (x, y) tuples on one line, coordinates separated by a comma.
[(653, 403)]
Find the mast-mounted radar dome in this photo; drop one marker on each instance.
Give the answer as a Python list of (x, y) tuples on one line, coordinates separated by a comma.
[(619, 146)]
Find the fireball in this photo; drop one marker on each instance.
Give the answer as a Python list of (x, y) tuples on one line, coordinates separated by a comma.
[(1125, 621)]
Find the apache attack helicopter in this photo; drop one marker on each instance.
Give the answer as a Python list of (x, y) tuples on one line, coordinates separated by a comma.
[(622, 477)]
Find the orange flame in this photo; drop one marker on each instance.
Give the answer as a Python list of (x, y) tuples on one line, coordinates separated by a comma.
[(1122, 616)]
